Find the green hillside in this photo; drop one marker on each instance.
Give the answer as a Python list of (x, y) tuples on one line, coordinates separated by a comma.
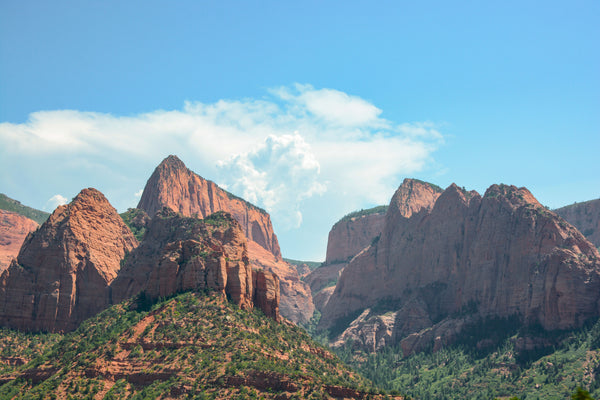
[(464, 372), (190, 346), (8, 204)]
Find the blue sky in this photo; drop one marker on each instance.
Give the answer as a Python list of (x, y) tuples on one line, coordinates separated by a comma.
[(310, 109)]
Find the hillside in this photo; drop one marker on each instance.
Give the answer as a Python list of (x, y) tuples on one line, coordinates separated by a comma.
[(8, 204), (193, 345), (465, 371)]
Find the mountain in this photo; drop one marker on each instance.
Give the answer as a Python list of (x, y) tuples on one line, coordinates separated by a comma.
[(13, 230), (174, 186), (467, 259), (63, 269), (357, 230), (8, 204), (585, 217), (180, 253), (192, 345)]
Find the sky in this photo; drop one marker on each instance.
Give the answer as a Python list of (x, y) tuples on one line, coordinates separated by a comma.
[(308, 109)]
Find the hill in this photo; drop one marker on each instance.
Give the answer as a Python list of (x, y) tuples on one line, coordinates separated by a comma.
[(8, 204), (193, 345)]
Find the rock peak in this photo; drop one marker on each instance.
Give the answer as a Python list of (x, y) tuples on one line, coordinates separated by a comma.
[(412, 196), (516, 196), (63, 269), (172, 162)]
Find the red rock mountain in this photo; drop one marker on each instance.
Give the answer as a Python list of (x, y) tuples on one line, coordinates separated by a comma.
[(13, 230), (174, 186), (63, 269), (585, 217), (357, 230), (500, 255), (180, 253)]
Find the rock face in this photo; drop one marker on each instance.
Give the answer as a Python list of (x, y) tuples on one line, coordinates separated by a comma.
[(501, 255), (180, 253), (13, 230), (356, 231), (585, 217), (63, 269), (174, 186), (349, 236)]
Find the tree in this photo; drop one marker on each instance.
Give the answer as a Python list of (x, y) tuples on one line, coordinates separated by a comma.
[(581, 394)]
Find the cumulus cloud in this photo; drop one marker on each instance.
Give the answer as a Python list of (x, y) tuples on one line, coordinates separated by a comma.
[(55, 201), (277, 175), (297, 144)]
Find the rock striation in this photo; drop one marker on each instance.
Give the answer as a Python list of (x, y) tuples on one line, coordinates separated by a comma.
[(13, 230), (174, 186), (357, 230), (497, 256), (63, 269), (585, 217), (181, 253)]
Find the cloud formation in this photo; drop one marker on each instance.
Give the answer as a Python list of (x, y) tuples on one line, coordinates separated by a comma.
[(296, 144), (278, 174)]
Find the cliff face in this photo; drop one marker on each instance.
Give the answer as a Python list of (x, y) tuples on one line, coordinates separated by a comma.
[(349, 236), (63, 269), (179, 254), (585, 217), (174, 186), (497, 256), (355, 232), (13, 230)]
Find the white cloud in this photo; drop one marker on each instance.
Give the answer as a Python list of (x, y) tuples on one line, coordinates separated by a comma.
[(55, 201), (293, 147), (139, 193), (277, 175)]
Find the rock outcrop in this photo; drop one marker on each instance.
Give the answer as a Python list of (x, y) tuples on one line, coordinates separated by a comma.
[(13, 230), (500, 255), (174, 186), (182, 253), (357, 230), (63, 269), (585, 217)]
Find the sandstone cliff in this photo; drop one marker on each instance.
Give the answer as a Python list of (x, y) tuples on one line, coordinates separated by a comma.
[(585, 217), (501, 255), (13, 230), (357, 230), (63, 269), (180, 253), (174, 186)]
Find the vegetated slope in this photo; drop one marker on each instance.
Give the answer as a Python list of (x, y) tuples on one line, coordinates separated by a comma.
[(13, 231), (194, 345), (464, 371), (19, 348), (468, 258), (585, 217), (8, 204)]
